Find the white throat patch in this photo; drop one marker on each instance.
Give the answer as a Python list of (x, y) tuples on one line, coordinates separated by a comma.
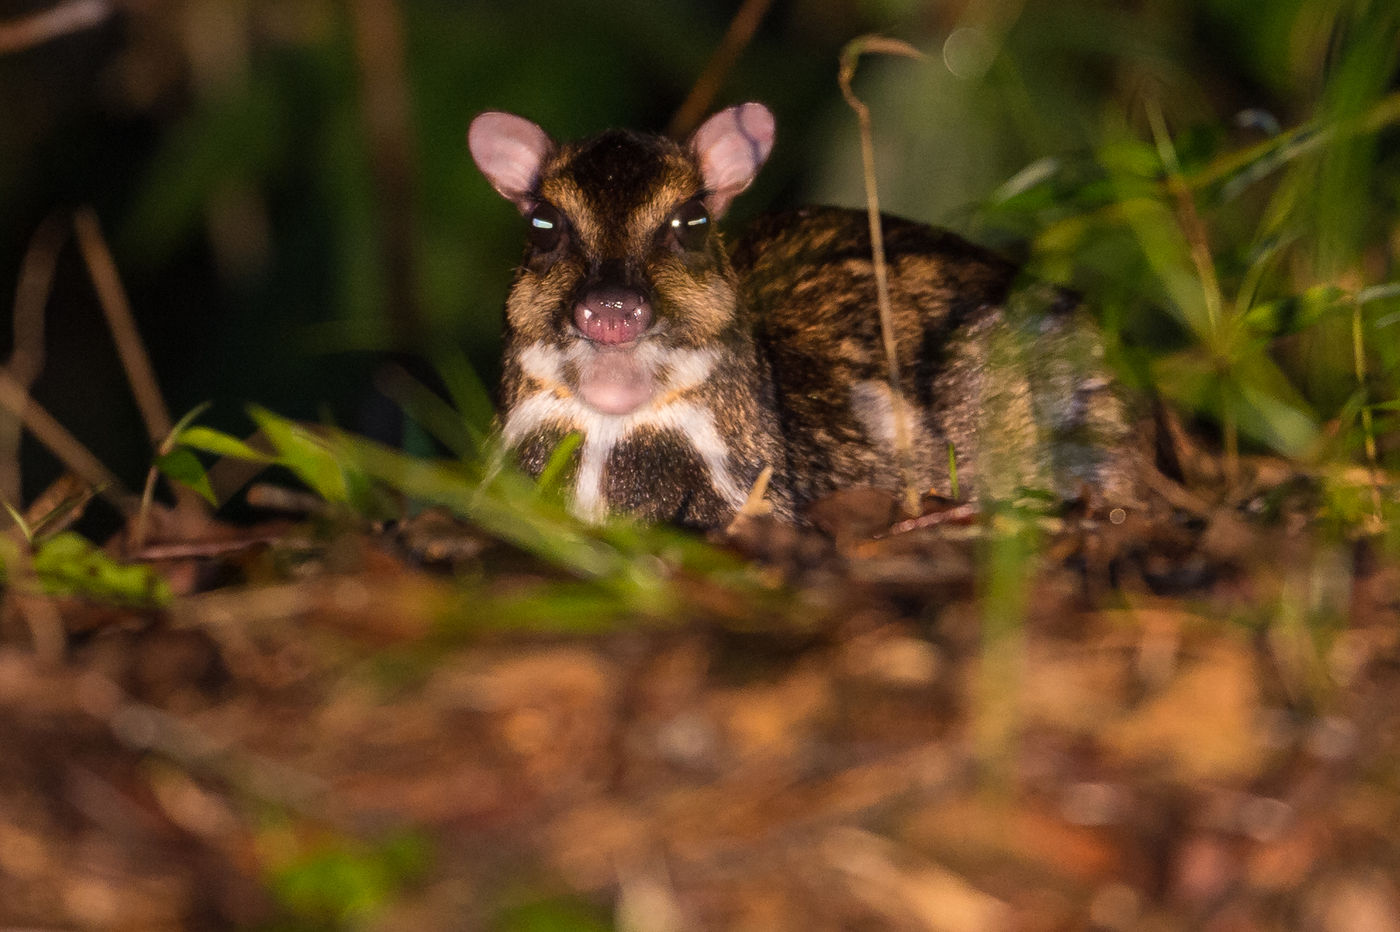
[(677, 372)]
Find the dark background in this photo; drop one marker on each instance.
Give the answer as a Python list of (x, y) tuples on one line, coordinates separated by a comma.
[(287, 192)]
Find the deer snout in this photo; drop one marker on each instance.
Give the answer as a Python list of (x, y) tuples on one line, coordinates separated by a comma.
[(612, 314)]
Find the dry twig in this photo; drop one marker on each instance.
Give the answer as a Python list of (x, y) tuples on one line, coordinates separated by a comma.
[(64, 445), (117, 309), (25, 32), (27, 358), (702, 95), (849, 57), (136, 363), (1193, 228), (26, 596), (385, 110)]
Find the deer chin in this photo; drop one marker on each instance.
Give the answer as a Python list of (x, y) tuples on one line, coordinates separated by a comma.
[(615, 380)]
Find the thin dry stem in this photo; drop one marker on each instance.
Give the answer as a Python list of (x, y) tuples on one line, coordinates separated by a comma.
[(206, 549), (902, 434), (46, 631), (141, 524), (269, 497), (1192, 227), (32, 295), (32, 292), (1177, 495), (387, 116), (117, 309), (74, 16), (64, 445), (136, 363), (1368, 426), (60, 505), (756, 505), (1198, 244), (702, 95)]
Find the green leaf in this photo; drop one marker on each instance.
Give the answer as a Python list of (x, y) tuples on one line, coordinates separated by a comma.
[(1296, 313), (184, 467), (22, 524), (1250, 387), (553, 471), (342, 880), (1034, 177), (1190, 378), (184, 422), (1285, 426), (1131, 157), (67, 564), (221, 444), (552, 916), (1385, 406), (306, 454), (1263, 257), (509, 506), (430, 412), (1154, 225), (1378, 292), (469, 396)]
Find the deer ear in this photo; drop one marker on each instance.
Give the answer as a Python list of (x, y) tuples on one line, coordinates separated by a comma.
[(509, 150), (731, 147)]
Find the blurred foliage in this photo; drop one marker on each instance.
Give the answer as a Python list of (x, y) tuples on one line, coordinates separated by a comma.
[(620, 573), (289, 205), (334, 882), (67, 565), (552, 915)]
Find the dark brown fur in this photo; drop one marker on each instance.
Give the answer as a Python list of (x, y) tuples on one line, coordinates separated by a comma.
[(617, 189)]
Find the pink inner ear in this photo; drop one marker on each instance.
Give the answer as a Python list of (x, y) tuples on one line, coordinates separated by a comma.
[(732, 146), (509, 150)]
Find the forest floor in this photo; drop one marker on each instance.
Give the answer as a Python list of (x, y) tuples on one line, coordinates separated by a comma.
[(1178, 717)]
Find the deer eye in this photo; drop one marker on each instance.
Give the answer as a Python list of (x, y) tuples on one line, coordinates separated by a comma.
[(545, 226), (690, 225)]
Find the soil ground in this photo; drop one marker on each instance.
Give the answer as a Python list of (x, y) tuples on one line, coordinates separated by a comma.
[(1183, 717)]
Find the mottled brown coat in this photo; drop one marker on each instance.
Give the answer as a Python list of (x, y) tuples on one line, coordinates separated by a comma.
[(773, 356)]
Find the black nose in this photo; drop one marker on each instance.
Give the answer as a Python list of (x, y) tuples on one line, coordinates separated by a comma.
[(612, 314)]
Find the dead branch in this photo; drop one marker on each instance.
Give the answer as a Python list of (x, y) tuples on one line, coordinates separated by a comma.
[(25, 32), (64, 445), (32, 292), (702, 95), (384, 108), (849, 57), (117, 309)]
